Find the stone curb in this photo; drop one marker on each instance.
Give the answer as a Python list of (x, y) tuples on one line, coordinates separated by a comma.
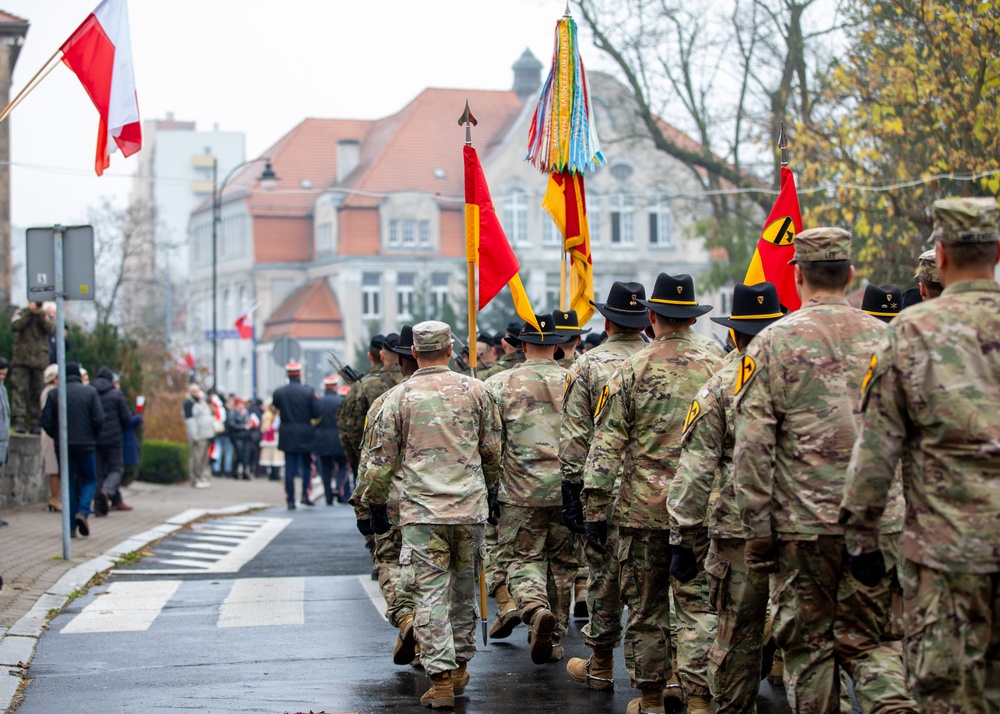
[(17, 645)]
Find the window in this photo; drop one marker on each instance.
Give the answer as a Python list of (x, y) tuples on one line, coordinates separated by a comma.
[(439, 293), (394, 232), (245, 380), (622, 220), (551, 235), (515, 216), (552, 291), (409, 233), (424, 230), (227, 308), (660, 222), (324, 238), (371, 296), (594, 206), (405, 295), (243, 305)]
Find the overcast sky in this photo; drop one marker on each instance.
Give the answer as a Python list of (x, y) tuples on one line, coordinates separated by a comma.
[(254, 66)]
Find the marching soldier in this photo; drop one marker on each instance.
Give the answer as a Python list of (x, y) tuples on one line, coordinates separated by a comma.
[(927, 276), (351, 417), (537, 552), (739, 596), (797, 397), (385, 553), (439, 434), (931, 397), (625, 319), (638, 424)]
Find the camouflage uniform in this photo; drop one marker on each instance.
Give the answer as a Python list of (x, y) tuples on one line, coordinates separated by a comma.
[(637, 436), (506, 361), (439, 435), (584, 383), (353, 412), (797, 395), (27, 366), (739, 596), (708, 344), (932, 399), (538, 553)]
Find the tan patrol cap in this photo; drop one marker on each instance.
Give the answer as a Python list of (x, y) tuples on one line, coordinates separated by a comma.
[(818, 245), (927, 268), (966, 220), (431, 335)]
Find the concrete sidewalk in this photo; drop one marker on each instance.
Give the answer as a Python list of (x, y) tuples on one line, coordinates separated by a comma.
[(31, 546)]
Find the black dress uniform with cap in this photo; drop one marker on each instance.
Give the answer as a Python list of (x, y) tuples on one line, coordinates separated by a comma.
[(329, 450), (298, 406)]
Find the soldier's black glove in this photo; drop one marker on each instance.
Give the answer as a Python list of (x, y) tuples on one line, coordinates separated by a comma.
[(683, 563), (380, 518), (868, 568), (493, 501), (572, 507), (597, 535), (365, 526), (761, 555)]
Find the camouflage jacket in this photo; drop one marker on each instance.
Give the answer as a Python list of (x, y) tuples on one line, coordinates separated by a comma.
[(584, 383), (352, 413), (529, 397), (932, 398), (709, 344), (31, 339), (508, 360), (797, 404), (361, 485), (707, 458), (439, 434), (638, 424)]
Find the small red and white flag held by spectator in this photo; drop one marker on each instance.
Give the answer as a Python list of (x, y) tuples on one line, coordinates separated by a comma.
[(244, 323), (100, 54)]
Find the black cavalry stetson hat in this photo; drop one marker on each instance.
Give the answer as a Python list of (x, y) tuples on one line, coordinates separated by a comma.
[(754, 308), (547, 335), (376, 342), (673, 296), (567, 323), (511, 334), (882, 302), (390, 341), (623, 305), (405, 342)]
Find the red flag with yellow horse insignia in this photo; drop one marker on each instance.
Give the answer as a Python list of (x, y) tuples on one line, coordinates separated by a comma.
[(776, 245)]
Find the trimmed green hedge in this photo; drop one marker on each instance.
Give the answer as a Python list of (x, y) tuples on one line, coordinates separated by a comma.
[(163, 462)]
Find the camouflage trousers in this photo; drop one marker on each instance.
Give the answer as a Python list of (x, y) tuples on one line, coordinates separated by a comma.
[(953, 639), (398, 602), (693, 626), (644, 579), (538, 554), (824, 619), (604, 603), (740, 598), (439, 570), (24, 385)]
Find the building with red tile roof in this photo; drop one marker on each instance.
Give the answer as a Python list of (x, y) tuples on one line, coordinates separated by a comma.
[(363, 231)]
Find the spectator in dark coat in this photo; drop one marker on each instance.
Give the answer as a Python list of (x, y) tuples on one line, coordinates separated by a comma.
[(110, 443), (84, 419), (298, 406), (329, 450), (238, 428)]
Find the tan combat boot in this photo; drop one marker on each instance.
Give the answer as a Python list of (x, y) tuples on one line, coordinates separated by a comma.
[(580, 599), (673, 692), (406, 642), (460, 677), (651, 702), (543, 622), (777, 674), (441, 695), (557, 650), (698, 704), (598, 672), (416, 663), (508, 616)]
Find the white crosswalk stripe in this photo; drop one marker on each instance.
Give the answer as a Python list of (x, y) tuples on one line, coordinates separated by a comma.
[(214, 548), (261, 602), (126, 607)]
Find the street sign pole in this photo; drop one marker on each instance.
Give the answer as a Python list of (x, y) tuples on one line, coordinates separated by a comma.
[(57, 237)]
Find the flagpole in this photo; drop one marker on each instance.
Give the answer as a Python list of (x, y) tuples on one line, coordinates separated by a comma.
[(41, 74), (563, 299), (783, 144)]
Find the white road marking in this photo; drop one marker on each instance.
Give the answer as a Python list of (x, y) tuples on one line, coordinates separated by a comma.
[(127, 607), (374, 593), (264, 602), (241, 551)]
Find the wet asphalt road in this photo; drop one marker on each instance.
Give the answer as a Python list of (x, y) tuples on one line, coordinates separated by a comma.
[(295, 628)]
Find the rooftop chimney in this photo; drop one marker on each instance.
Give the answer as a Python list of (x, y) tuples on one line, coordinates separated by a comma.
[(527, 75), (348, 156)]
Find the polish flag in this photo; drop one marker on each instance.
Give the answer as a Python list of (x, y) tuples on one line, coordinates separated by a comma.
[(100, 54), (244, 323)]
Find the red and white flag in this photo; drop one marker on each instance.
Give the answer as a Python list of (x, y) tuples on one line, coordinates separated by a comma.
[(244, 323), (100, 54)]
